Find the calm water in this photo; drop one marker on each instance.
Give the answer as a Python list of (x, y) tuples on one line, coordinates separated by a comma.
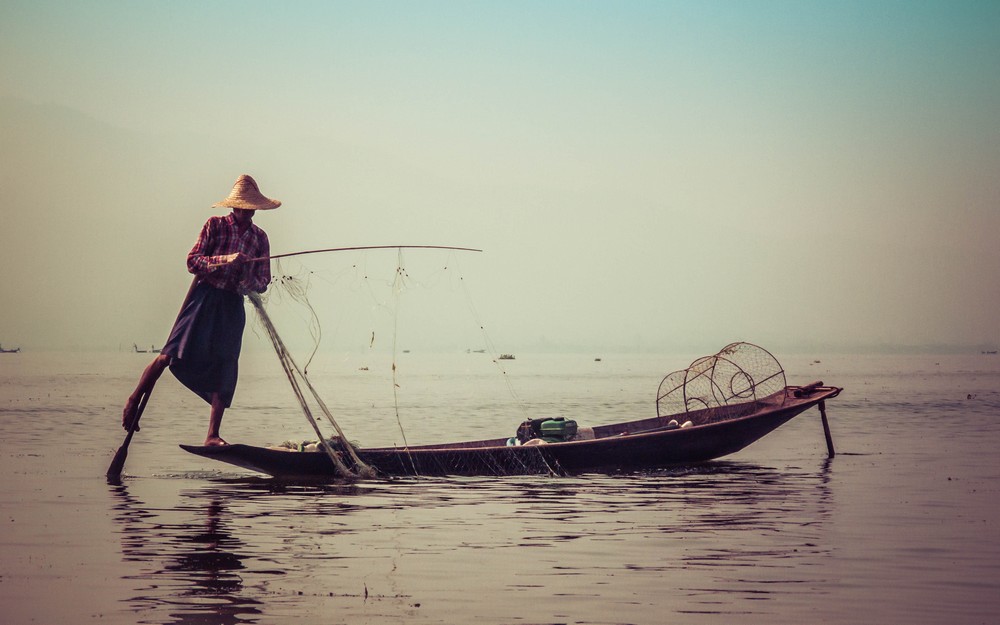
[(903, 526)]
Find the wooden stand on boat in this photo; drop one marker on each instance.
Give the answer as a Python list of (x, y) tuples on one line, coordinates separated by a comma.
[(826, 429), (809, 389)]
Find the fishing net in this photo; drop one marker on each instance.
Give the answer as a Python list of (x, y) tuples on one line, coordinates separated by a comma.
[(735, 380), (741, 374), (289, 293)]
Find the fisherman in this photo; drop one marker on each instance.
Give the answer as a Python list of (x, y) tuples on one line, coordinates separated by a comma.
[(203, 349)]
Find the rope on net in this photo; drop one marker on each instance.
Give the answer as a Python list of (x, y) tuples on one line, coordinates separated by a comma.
[(489, 344), (397, 288), (296, 289), (295, 374)]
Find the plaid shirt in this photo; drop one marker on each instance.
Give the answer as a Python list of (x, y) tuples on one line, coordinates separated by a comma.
[(221, 236)]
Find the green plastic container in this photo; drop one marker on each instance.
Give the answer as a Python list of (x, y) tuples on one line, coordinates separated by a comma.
[(559, 429)]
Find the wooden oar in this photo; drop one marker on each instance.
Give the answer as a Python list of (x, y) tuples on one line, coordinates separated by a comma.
[(115, 470)]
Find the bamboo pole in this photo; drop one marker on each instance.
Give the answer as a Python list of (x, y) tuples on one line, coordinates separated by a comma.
[(826, 429), (354, 249)]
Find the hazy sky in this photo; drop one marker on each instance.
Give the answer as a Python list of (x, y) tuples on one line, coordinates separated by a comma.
[(639, 174)]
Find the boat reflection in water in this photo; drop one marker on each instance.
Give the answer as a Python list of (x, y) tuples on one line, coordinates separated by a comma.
[(722, 536)]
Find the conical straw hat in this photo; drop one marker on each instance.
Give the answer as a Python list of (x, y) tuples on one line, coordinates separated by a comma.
[(247, 195)]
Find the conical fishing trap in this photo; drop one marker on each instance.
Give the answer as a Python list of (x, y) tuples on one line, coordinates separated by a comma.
[(741, 374)]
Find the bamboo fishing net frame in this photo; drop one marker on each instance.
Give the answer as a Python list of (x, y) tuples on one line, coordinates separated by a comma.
[(294, 374)]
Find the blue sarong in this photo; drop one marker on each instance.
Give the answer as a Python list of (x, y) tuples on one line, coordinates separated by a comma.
[(204, 344)]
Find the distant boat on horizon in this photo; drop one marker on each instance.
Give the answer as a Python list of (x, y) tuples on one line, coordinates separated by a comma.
[(16, 350), (152, 349), (506, 356)]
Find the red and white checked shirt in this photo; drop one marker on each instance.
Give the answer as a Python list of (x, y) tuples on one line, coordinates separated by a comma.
[(221, 236)]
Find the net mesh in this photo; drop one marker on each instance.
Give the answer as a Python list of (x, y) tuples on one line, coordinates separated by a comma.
[(740, 374)]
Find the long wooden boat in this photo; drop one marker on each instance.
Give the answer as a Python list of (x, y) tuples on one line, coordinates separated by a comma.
[(644, 444)]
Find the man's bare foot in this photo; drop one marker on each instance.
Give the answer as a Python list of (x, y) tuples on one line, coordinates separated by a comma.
[(215, 441), (131, 408)]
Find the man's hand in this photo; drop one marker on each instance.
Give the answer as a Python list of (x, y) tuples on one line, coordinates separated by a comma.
[(238, 258)]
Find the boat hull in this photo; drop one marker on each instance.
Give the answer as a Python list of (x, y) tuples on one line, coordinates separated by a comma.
[(633, 446)]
